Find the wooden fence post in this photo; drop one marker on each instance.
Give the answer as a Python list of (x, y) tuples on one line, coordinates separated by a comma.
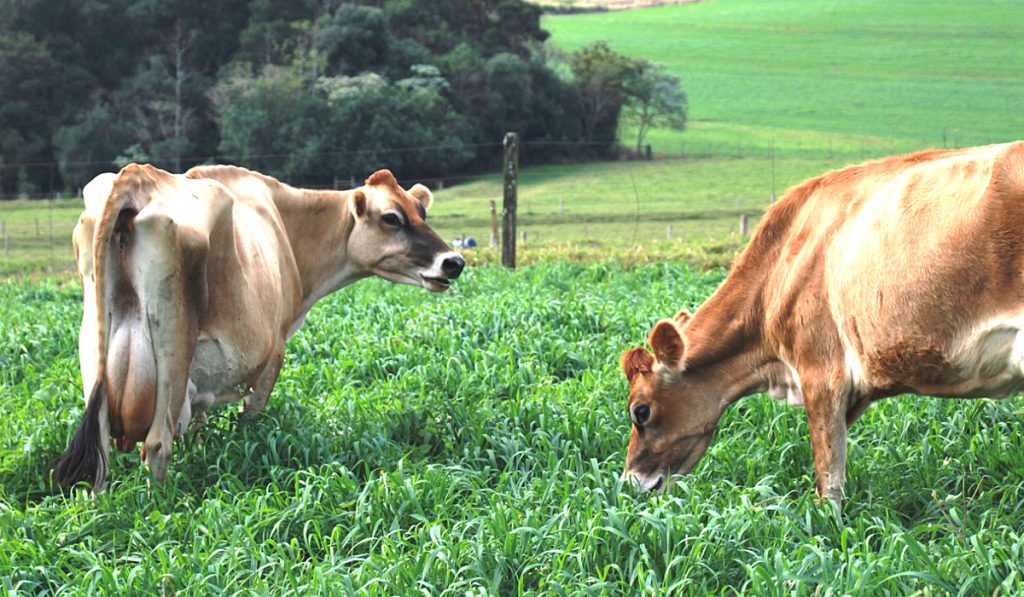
[(7, 244), (494, 224), (744, 225), (508, 224), (49, 220)]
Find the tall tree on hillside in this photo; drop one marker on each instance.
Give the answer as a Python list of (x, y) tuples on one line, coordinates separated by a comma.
[(602, 77), (654, 99)]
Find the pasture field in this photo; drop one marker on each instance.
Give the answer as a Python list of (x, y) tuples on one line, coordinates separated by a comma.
[(829, 75), (470, 443)]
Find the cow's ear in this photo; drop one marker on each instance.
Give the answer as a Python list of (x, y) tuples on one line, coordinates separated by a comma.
[(682, 317), (423, 195), (667, 343), (357, 203), (636, 361)]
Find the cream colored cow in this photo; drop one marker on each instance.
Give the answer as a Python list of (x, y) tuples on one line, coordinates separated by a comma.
[(192, 283), (899, 275)]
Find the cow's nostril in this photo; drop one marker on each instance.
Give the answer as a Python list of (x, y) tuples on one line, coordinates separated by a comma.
[(452, 266), (657, 485)]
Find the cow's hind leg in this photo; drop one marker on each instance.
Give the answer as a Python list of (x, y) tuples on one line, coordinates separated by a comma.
[(257, 400), (163, 266)]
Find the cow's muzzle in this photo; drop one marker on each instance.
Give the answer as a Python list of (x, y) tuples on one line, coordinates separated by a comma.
[(447, 267)]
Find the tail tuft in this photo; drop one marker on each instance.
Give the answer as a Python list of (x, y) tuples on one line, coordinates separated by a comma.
[(85, 459)]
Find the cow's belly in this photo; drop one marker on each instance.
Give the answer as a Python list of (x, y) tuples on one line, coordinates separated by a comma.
[(985, 361), (990, 359), (219, 366)]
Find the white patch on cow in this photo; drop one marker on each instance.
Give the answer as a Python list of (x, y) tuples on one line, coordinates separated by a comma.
[(788, 388), (989, 358), (795, 392), (856, 380)]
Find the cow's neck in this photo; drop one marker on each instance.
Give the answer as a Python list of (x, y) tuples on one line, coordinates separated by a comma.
[(318, 224), (725, 339)]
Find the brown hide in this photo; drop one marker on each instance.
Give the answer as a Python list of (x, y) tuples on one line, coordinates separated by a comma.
[(898, 275)]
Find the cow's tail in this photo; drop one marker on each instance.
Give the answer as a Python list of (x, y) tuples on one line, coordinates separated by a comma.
[(86, 459), (86, 456)]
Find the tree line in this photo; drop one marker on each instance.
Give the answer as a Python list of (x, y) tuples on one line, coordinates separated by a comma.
[(306, 90)]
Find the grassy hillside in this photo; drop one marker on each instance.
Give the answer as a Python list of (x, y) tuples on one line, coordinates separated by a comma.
[(627, 202), (470, 443), (872, 72)]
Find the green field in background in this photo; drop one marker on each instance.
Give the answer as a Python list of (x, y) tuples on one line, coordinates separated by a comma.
[(872, 73)]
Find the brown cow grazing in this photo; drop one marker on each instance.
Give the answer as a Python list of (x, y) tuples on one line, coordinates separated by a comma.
[(192, 283), (900, 275)]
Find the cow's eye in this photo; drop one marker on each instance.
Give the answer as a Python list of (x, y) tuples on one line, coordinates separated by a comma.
[(641, 413), (391, 220)]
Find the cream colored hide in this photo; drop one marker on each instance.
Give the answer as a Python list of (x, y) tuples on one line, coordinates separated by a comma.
[(192, 283), (895, 276)]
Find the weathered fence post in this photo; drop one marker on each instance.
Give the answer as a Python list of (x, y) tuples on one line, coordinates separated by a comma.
[(508, 223), (3, 233), (49, 217), (668, 232), (744, 225), (494, 224)]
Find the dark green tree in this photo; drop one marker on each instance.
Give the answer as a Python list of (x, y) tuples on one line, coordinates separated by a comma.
[(603, 78), (30, 107)]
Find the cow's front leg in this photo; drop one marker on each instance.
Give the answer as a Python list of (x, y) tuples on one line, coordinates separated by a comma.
[(827, 418)]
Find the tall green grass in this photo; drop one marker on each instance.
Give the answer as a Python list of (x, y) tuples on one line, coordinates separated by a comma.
[(471, 443)]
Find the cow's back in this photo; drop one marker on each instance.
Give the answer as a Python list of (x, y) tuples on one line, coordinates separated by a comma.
[(922, 275)]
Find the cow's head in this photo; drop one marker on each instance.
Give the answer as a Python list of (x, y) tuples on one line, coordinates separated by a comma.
[(391, 238), (674, 411)]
